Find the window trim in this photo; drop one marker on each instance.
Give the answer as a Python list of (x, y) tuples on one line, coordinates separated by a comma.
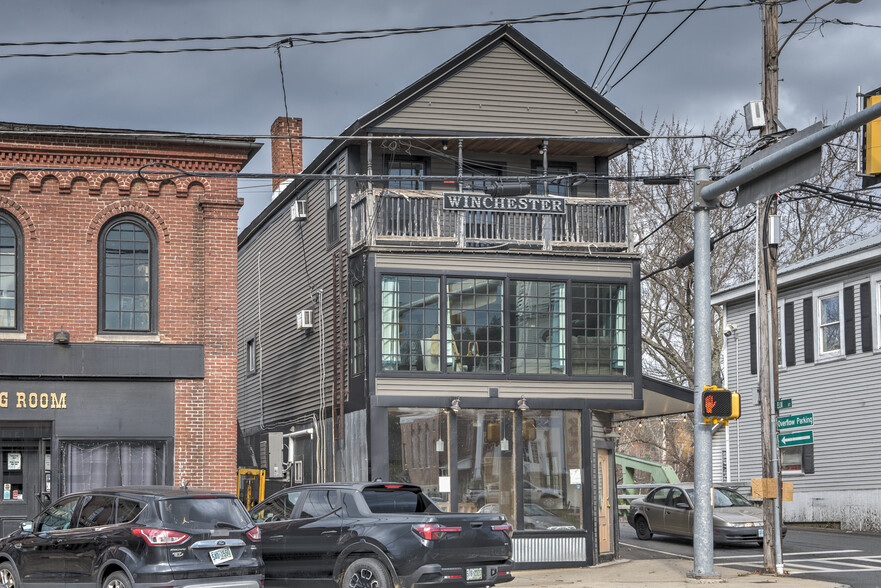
[(389, 158), (818, 326), (251, 364), (332, 207), (538, 169), (781, 334), (875, 291), (18, 236), (144, 224)]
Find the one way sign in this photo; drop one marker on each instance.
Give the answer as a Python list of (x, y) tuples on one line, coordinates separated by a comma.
[(793, 439)]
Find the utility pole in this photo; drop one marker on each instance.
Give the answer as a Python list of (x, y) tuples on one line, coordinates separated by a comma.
[(766, 302)]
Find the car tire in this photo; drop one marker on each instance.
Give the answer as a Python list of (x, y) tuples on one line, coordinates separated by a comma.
[(549, 502), (117, 580), (642, 528), (366, 572), (9, 576)]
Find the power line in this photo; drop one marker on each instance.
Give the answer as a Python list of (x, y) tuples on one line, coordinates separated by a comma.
[(302, 39), (609, 47), (626, 47)]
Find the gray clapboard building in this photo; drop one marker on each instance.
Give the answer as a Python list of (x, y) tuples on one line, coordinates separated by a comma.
[(397, 322), (829, 378)]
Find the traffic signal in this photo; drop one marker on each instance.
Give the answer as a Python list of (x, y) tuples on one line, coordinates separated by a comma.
[(719, 405)]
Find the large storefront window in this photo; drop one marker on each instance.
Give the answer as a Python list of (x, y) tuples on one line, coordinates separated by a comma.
[(475, 341), (418, 450), (599, 329), (485, 444), (552, 469), (411, 323), (538, 327), (90, 464)]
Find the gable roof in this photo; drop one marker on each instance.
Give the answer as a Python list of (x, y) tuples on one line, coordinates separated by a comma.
[(607, 130)]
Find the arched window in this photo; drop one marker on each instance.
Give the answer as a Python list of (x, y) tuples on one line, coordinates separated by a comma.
[(11, 274), (127, 300)]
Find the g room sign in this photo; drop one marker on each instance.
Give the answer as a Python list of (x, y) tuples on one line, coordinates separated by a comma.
[(33, 400)]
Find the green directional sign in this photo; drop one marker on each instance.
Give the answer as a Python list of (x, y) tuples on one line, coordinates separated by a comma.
[(785, 403), (797, 438), (796, 420)]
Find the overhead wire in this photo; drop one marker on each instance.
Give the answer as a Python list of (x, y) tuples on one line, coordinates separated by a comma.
[(609, 46), (624, 50)]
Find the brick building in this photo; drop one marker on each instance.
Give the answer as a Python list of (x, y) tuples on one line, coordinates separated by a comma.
[(117, 311)]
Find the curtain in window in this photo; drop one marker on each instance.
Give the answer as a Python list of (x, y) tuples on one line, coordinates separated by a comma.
[(111, 463), (619, 354)]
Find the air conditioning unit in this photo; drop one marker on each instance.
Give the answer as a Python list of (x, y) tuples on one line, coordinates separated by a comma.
[(298, 210), (304, 319)]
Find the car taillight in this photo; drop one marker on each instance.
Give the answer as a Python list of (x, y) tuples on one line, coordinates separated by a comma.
[(507, 529), (254, 534), (161, 536), (434, 531)]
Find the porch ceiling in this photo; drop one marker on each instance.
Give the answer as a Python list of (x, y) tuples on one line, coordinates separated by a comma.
[(557, 148), (659, 399)]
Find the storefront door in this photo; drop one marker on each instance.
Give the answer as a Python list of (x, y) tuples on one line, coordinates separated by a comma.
[(21, 479), (604, 501)]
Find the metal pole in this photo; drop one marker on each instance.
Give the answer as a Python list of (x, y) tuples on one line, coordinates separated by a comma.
[(703, 436), (772, 418)]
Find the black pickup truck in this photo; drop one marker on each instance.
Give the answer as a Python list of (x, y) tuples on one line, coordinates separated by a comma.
[(378, 535)]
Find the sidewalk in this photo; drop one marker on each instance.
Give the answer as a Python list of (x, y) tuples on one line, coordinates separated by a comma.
[(650, 573)]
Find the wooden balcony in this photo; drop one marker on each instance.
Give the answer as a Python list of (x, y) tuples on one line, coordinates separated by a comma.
[(419, 218)]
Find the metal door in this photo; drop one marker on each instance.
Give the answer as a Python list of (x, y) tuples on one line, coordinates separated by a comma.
[(21, 479)]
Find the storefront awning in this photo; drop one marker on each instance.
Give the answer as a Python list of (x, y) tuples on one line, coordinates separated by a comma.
[(659, 399)]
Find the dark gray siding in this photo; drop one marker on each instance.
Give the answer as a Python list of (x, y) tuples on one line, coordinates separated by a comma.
[(285, 268)]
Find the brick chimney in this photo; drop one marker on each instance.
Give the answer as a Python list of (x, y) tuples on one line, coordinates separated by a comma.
[(287, 154)]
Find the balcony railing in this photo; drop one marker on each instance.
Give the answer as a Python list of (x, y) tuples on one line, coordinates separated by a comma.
[(414, 217)]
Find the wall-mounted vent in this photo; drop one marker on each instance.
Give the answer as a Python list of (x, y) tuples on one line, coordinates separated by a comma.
[(304, 319), (298, 210)]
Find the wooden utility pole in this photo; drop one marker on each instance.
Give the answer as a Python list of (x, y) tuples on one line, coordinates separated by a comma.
[(766, 298)]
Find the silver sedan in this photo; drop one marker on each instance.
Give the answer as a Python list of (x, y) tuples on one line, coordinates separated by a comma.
[(669, 510)]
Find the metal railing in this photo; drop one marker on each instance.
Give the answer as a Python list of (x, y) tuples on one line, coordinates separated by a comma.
[(409, 216)]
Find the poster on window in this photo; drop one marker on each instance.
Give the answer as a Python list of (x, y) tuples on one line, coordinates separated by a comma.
[(13, 461)]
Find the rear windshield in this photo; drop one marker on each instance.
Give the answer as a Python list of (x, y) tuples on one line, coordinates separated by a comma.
[(397, 500), (204, 513)]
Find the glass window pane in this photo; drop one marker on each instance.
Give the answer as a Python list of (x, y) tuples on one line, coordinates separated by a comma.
[(538, 329), (599, 329), (475, 334), (127, 259), (418, 450), (410, 327), (551, 451), (486, 461), (87, 465)]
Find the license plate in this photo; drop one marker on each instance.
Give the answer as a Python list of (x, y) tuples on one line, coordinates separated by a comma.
[(473, 574), (219, 556), (761, 533)]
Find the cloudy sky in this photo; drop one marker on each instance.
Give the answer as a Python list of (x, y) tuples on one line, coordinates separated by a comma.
[(710, 67)]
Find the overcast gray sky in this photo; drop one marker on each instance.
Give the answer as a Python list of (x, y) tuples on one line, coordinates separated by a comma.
[(709, 68)]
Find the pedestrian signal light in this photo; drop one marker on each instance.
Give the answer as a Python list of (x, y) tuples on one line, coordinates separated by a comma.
[(719, 405)]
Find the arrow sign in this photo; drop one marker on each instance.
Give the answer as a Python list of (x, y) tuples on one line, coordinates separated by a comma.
[(796, 420), (793, 439)]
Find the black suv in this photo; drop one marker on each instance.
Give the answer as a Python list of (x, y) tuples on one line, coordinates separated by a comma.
[(138, 536)]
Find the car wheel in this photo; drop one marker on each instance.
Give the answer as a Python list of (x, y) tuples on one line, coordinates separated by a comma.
[(8, 576), (642, 529), (117, 580), (549, 502), (366, 572)]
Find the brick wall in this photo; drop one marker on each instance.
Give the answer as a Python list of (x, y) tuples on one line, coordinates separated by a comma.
[(287, 152), (195, 220)]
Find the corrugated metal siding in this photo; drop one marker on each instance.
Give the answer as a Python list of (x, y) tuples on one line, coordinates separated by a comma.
[(281, 265), (840, 393), (488, 264), (550, 549), (502, 92), (432, 388)]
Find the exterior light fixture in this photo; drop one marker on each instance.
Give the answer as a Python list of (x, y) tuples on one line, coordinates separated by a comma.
[(454, 405), (61, 337), (521, 404)]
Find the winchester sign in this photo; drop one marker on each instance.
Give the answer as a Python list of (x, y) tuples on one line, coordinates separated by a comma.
[(525, 204)]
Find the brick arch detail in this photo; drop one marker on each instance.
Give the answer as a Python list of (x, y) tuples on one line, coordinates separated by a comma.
[(134, 206), (21, 214)]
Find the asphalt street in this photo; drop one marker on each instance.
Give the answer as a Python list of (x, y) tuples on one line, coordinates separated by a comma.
[(851, 559)]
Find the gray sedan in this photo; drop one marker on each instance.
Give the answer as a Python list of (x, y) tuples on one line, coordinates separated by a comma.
[(669, 510)]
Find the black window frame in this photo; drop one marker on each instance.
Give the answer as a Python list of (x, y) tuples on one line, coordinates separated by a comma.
[(389, 159), (17, 235), (629, 286), (153, 287)]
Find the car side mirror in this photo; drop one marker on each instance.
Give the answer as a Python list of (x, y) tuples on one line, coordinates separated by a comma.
[(684, 505), (27, 526)]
